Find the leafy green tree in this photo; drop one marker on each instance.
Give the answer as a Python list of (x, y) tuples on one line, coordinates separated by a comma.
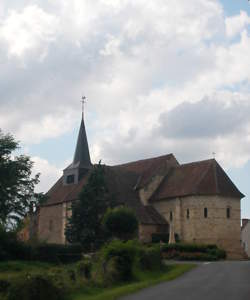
[(121, 222), (85, 224), (17, 194)]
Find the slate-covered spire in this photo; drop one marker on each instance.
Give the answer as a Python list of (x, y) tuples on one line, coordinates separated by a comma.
[(82, 157)]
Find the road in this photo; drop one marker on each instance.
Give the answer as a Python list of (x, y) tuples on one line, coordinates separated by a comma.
[(209, 281)]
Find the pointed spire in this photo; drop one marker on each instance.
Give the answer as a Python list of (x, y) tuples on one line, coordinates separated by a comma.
[(82, 157)]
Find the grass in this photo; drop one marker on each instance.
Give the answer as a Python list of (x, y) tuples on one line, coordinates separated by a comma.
[(144, 280)]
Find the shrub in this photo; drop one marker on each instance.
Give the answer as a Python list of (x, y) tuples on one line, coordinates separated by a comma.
[(57, 253), (34, 288), (4, 285), (192, 252), (118, 257), (150, 258), (84, 268), (121, 223)]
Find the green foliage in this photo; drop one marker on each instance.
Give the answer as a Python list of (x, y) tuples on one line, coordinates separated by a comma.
[(57, 253), (192, 252), (34, 288), (16, 184), (12, 248), (121, 222), (84, 268), (150, 258), (118, 259), (85, 224)]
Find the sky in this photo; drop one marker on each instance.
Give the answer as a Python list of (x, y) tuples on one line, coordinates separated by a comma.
[(159, 76)]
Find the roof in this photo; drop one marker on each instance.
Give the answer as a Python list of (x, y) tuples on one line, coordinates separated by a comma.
[(197, 178), (81, 157), (148, 168), (124, 181)]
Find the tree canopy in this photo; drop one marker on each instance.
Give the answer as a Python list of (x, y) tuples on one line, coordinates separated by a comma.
[(85, 224), (16, 183), (121, 222)]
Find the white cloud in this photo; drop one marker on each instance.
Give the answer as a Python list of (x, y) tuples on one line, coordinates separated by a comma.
[(49, 173), (135, 60), (236, 24), (30, 29)]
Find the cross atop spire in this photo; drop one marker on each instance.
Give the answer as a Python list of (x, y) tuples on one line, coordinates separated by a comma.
[(83, 102)]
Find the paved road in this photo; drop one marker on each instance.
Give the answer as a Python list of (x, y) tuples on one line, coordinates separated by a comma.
[(209, 281)]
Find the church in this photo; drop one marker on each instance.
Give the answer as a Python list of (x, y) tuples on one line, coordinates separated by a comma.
[(197, 200)]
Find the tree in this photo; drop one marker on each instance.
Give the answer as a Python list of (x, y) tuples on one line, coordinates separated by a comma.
[(85, 224), (121, 222), (17, 194)]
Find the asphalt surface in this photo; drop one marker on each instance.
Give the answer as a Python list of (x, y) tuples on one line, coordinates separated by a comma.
[(209, 281)]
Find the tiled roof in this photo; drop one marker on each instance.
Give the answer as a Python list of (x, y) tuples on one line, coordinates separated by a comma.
[(198, 178)]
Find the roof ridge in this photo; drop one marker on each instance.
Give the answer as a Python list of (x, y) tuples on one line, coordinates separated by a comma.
[(198, 162), (143, 160)]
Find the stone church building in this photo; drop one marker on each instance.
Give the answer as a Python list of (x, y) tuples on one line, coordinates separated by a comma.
[(198, 201)]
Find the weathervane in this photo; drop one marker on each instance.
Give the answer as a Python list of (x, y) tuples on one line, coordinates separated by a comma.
[(83, 102)]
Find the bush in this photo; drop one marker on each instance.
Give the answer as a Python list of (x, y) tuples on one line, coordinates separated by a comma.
[(192, 252), (34, 288), (150, 258), (84, 268), (57, 253), (118, 257), (121, 223)]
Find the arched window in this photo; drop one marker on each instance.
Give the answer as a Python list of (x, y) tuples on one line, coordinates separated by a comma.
[(205, 212), (187, 213), (171, 216), (228, 212)]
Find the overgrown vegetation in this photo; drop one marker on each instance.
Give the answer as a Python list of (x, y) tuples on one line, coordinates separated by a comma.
[(118, 268)]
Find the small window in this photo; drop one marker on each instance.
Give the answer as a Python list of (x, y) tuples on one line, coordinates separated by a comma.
[(70, 179), (187, 213), (205, 212), (171, 216), (50, 225), (228, 212)]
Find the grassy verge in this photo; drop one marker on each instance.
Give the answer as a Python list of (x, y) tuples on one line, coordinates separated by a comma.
[(144, 279)]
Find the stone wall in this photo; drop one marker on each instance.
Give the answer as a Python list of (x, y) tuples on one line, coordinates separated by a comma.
[(145, 232), (51, 224), (215, 229)]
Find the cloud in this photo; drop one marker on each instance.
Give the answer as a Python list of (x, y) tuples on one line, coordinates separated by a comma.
[(236, 24), (49, 173), (143, 65), (208, 118)]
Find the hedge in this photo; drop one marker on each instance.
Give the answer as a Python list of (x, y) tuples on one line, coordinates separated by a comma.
[(181, 251)]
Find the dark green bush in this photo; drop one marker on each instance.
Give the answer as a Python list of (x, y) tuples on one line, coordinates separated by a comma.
[(34, 288), (150, 258), (57, 253), (121, 223), (84, 268), (122, 255), (4, 285)]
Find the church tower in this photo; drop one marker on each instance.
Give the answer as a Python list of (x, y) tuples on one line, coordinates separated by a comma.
[(81, 163)]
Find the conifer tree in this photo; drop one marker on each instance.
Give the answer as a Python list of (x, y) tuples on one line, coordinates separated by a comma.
[(85, 224)]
